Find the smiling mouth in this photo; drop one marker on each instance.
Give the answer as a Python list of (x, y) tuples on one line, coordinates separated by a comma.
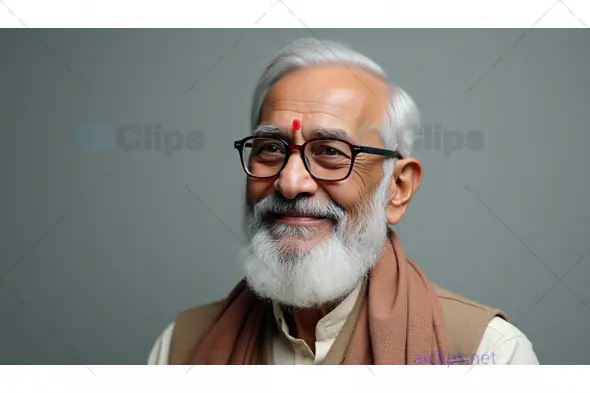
[(297, 218)]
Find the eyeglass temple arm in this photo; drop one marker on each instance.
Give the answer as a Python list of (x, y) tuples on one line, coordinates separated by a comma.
[(380, 152)]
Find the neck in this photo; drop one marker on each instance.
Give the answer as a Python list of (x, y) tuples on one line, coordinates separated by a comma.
[(303, 321)]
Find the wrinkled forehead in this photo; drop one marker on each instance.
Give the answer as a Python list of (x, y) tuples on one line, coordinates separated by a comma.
[(334, 98)]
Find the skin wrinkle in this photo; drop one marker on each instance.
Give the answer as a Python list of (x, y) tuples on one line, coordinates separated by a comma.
[(272, 102)]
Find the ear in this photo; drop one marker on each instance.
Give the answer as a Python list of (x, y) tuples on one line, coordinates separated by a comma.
[(407, 176)]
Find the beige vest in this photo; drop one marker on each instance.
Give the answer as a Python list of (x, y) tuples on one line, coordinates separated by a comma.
[(466, 321)]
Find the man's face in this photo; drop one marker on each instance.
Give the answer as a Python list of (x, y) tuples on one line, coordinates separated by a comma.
[(319, 98), (327, 98)]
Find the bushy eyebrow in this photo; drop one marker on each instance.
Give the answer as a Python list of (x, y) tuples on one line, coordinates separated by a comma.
[(332, 133), (269, 131)]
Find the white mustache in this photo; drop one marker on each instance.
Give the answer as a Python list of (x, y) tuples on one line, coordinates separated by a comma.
[(274, 205)]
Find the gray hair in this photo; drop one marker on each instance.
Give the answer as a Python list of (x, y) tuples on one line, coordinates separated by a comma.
[(401, 118)]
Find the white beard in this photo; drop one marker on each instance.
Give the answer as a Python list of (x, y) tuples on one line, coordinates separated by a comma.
[(328, 271)]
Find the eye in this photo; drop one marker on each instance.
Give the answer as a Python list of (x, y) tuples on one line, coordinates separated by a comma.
[(329, 151), (267, 147), (270, 148)]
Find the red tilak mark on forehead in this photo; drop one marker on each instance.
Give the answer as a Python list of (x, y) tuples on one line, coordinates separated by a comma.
[(296, 125)]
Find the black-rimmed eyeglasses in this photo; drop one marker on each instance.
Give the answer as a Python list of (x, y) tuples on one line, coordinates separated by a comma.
[(325, 159)]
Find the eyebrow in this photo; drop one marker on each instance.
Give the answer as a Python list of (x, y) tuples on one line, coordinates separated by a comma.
[(328, 133), (332, 133), (269, 131)]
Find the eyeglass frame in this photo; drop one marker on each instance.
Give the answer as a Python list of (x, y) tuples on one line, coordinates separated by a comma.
[(289, 148)]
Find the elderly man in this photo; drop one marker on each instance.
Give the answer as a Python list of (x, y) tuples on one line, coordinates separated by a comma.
[(327, 281)]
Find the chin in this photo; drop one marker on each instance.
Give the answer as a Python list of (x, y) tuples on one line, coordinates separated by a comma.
[(302, 275), (298, 239), (300, 246)]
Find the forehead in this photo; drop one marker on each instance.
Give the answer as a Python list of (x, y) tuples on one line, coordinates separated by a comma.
[(326, 97)]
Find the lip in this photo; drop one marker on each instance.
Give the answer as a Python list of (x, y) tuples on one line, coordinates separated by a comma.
[(297, 219)]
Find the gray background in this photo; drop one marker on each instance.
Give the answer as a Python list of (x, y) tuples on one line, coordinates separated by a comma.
[(99, 250)]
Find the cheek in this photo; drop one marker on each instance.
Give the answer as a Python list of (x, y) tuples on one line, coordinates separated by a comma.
[(346, 194), (257, 189)]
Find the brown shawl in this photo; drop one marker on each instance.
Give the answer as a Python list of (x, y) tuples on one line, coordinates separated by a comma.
[(398, 318)]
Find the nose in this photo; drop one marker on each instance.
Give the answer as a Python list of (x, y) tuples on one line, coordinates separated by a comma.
[(294, 179)]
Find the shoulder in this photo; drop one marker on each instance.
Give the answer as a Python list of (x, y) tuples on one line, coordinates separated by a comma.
[(209, 310), (178, 338), (492, 338), (466, 321), (504, 343), (454, 303), (161, 348), (465, 316)]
